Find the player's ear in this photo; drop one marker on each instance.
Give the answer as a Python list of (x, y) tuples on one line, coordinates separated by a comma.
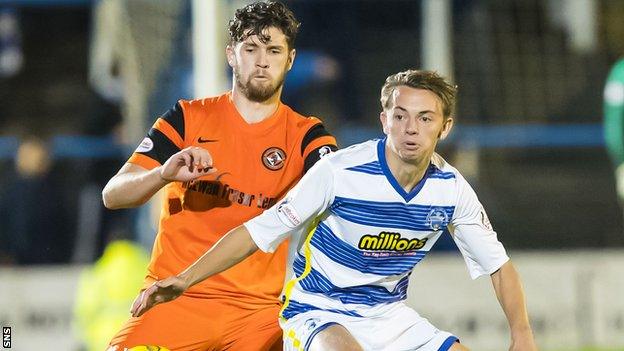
[(384, 122), (229, 54), (447, 125), (291, 58)]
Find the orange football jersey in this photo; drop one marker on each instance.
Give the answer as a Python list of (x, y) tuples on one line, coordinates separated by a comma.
[(256, 165)]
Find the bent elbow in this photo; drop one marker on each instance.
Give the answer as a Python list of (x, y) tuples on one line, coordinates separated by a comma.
[(111, 200), (107, 200), (117, 201)]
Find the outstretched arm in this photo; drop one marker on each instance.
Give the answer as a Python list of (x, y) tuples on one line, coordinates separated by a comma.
[(510, 295), (234, 247), (305, 201)]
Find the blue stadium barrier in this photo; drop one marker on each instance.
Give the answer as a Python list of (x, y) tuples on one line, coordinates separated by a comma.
[(78, 146), (486, 137), (502, 136), (8, 147), (70, 146), (523, 136)]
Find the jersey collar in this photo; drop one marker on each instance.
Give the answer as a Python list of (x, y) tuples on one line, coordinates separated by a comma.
[(259, 128), (381, 154)]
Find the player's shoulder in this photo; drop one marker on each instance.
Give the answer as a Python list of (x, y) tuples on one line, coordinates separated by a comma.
[(203, 111), (440, 165), (299, 121), (354, 155), (204, 103), (615, 78), (441, 169)]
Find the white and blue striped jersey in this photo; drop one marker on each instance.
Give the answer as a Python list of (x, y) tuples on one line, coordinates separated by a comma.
[(365, 233)]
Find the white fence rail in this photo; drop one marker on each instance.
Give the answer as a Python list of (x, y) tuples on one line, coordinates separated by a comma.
[(576, 299)]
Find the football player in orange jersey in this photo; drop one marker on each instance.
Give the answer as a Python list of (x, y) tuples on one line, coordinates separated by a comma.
[(221, 161)]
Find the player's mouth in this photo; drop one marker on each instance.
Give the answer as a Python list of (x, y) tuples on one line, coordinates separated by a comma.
[(412, 146), (261, 76)]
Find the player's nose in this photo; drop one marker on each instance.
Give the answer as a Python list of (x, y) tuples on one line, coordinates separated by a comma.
[(262, 60), (411, 126)]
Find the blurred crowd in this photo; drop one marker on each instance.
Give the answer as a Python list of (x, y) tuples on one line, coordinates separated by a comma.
[(50, 179)]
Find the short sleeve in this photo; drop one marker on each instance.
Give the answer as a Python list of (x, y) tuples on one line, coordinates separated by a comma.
[(474, 235), (165, 138), (307, 200), (316, 143)]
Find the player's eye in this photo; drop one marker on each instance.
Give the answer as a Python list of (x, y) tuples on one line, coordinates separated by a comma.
[(398, 117)]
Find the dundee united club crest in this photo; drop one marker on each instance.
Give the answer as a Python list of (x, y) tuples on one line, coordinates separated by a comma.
[(273, 158)]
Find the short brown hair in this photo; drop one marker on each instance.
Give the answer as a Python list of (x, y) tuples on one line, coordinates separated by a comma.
[(255, 18), (427, 80)]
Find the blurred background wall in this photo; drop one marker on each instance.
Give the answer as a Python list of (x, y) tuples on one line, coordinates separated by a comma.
[(81, 81)]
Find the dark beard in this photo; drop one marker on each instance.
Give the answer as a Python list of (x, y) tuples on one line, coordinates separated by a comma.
[(257, 93)]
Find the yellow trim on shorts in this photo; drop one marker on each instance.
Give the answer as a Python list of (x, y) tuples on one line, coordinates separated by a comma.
[(296, 342), (307, 253)]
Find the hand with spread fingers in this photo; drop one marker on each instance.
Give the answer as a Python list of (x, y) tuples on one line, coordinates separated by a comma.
[(161, 291), (187, 164)]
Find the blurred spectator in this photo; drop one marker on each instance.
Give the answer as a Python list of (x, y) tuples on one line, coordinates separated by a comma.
[(311, 67), (33, 225), (105, 293), (312, 82), (96, 224), (614, 123), (11, 56)]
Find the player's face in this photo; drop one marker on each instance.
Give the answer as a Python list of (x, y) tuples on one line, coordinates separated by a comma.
[(260, 68), (414, 123)]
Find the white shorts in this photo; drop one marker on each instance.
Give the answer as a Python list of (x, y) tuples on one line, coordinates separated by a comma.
[(400, 328)]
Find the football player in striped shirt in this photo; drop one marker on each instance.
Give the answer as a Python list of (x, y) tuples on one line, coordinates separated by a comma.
[(368, 215)]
